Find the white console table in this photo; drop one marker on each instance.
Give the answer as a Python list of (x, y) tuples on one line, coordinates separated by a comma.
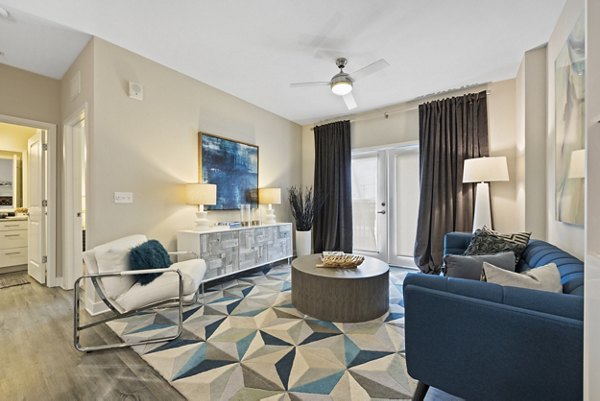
[(231, 250)]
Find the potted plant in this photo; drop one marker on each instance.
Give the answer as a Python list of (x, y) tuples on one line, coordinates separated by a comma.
[(305, 205)]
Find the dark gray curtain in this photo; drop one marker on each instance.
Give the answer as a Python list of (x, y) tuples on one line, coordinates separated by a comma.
[(450, 131), (332, 228)]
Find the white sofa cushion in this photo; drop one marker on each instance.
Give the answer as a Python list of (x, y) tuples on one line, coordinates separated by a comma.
[(165, 286), (544, 278), (114, 257)]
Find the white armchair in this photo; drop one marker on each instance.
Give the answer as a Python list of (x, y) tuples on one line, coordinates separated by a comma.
[(108, 270)]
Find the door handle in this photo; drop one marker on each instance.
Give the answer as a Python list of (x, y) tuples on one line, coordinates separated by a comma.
[(381, 212)]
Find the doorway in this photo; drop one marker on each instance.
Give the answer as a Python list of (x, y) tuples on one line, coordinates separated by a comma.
[(385, 201), (29, 222), (75, 200)]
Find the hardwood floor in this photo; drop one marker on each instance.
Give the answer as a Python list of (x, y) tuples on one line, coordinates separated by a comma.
[(39, 362)]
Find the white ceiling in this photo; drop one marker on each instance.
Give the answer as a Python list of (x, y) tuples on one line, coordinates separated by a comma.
[(38, 45), (255, 49)]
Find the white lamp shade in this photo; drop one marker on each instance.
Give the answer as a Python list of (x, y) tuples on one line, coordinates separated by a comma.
[(485, 169), (269, 196), (577, 165), (201, 194)]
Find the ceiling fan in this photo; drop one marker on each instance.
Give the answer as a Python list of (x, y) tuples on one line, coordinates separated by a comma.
[(341, 84)]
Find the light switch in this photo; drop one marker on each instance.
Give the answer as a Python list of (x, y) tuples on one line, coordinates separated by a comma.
[(123, 197)]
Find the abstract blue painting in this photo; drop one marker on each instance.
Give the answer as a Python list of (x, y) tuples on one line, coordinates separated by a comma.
[(570, 125), (233, 167)]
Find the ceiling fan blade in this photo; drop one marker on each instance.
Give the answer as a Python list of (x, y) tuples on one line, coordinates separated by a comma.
[(350, 101), (302, 84), (370, 69)]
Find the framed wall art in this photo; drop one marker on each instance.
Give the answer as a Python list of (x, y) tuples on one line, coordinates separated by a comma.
[(232, 166), (569, 97)]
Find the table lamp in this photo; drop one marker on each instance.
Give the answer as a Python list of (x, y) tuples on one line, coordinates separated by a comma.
[(484, 170), (269, 196), (201, 194)]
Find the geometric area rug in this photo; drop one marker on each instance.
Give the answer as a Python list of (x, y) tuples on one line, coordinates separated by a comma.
[(248, 342)]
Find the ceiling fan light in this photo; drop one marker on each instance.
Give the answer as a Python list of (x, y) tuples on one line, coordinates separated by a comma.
[(341, 88)]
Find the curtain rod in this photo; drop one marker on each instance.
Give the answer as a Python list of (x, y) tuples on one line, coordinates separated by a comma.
[(386, 114)]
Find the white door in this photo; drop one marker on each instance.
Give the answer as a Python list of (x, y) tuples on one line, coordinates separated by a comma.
[(385, 203), (403, 171), (74, 199), (36, 264), (369, 204)]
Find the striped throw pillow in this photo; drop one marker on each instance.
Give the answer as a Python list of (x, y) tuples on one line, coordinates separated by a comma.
[(486, 242)]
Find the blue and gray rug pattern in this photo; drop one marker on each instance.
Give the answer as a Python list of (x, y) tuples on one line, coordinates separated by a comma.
[(248, 342)]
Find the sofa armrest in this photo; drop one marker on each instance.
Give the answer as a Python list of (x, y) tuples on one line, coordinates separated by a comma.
[(477, 348), (456, 243)]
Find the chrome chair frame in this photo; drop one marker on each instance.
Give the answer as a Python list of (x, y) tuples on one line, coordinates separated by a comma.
[(167, 303)]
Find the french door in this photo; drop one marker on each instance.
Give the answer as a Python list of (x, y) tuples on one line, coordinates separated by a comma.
[(385, 201)]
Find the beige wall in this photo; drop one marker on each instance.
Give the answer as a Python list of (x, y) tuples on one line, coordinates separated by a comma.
[(531, 137), (503, 142), (27, 95), (14, 137), (402, 125), (149, 147), (566, 236)]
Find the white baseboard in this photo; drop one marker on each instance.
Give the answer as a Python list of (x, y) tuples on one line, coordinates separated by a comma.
[(95, 308)]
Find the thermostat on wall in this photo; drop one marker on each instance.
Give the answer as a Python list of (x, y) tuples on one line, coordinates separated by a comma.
[(136, 91)]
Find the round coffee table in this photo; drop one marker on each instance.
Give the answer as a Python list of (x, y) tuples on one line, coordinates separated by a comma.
[(340, 295)]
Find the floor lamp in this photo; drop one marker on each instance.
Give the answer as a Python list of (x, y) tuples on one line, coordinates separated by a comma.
[(484, 170)]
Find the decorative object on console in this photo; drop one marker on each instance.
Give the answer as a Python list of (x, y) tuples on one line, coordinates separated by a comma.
[(201, 194), (232, 166), (245, 215), (304, 205), (269, 196), (483, 170), (486, 242), (569, 98)]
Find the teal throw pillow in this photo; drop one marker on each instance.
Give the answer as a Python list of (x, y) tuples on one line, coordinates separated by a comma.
[(149, 255)]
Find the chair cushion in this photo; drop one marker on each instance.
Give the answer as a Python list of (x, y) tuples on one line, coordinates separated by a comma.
[(165, 286), (545, 278), (114, 257), (470, 267), (149, 255), (486, 241)]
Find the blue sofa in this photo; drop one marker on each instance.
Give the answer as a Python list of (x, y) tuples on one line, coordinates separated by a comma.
[(482, 341)]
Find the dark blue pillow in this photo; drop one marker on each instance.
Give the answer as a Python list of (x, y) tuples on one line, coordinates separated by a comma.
[(149, 255)]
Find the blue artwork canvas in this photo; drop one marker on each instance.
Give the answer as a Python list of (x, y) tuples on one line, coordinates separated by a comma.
[(233, 167), (570, 126)]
